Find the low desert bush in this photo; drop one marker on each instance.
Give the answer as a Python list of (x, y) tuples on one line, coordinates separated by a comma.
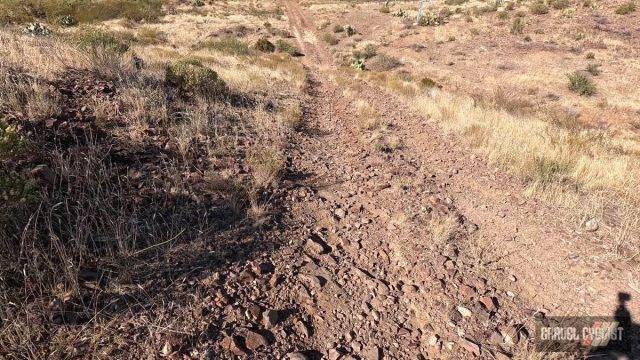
[(330, 39), (228, 45), (190, 77), (286, 47), (383, 62), (626, 8), (539, 8), (264, 45), (367, 52), (560, 4), (581, 84)]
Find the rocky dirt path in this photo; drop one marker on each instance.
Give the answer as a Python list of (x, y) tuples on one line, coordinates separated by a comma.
[(427, 248), (557, 266), (416, 251)]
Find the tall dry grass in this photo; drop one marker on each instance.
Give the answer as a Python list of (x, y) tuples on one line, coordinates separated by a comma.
[(85, 211), (589, 172)]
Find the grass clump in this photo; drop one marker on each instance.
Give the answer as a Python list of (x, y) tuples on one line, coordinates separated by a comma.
[(560, 4), (626, 8), (228, 45), (330, 39), (264, 45), (93, 38), (82, 11), (539, 8), (367, 52), (286, 47), (266, 164), (150, 36), (581, 84), (517, 27), (427, 83), (189, 76), (383, 62)]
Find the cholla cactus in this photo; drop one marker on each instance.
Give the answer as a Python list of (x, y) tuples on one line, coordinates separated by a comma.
[(358, 64), (37, 29), (399, 13), (350, 30), (68, 20)]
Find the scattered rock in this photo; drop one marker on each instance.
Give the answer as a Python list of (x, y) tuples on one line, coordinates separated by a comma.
[(296, 356), (255, 340), (234, 345), (464, 311), (372, 353), (591, 225), (495, 338), (489, 303), (470, 346), (433, 340)]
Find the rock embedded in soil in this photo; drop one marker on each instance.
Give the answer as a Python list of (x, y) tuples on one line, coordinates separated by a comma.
[(255, 340), (470, 346), (296, 356)]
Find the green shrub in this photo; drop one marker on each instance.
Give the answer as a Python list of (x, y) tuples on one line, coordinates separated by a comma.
[(427, 83), (189, 76), (626, 9), (385, 10), (560, 4), (330, 39), (263, 44), (369, 51), (580, 84), (539, 8), (288, 48), (337, 28), (228, 45)]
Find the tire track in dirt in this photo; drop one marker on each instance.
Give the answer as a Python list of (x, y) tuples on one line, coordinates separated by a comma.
[(373, 279)]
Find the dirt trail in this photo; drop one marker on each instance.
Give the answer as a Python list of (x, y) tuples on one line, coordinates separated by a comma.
[(402, 239)]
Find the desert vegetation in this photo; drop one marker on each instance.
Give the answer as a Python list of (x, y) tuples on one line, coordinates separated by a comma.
[(114, 152)]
